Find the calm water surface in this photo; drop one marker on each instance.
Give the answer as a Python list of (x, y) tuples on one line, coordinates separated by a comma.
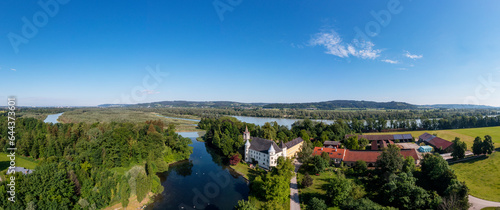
[(202, 182), (52, 118)]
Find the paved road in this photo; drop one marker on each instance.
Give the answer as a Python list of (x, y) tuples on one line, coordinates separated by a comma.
[(294, 188), (478, 203)]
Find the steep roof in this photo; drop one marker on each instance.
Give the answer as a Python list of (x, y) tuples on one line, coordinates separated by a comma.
[(426, 137), (246, 129), (263, 145), (338, 154), (410, 152), (293, 142), (440, 143)]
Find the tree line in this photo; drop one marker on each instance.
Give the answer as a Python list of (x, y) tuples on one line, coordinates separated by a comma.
[(89, 166)]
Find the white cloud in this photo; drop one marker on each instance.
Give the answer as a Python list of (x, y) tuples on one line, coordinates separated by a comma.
[(390, 61), (403, 69), (334, 46), (412, 56), (13, 69)]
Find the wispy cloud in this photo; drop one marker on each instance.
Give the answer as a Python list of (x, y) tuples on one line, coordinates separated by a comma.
[(335, 46), (403, 69), (13, 69), (412, 56), (390, 61)]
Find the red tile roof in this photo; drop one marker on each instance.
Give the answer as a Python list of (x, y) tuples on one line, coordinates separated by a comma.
[(410, 152), (371, 156), (367, 156), (339, 154), (440, 143)]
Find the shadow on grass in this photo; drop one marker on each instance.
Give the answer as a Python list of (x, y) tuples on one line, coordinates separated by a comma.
[(4, 165), (471, 161)]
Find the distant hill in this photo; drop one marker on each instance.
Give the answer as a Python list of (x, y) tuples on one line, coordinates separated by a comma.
[(458, 106), (346, 104), (194, 104), (325, 105)]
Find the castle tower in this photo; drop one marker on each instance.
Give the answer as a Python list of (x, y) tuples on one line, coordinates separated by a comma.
[(246, 134), (247, 148), (283, 148)]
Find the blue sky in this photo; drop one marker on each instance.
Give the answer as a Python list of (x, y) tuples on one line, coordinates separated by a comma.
[(94, 52)]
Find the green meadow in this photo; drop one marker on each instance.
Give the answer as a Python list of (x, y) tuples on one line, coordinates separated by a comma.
[(481, 175)]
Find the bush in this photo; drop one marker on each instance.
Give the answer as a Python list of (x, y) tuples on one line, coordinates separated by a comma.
[(316, 204), (307, 181), (142, 185)]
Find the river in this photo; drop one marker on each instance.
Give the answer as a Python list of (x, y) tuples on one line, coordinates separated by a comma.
[(204, 181), (52, 118)]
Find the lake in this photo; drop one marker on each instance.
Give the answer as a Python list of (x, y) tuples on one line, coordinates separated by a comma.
[(202, 182), (52, 118)]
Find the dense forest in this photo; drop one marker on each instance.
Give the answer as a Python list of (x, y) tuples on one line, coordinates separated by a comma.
[(325, 114), (89, 166), (343, 104)]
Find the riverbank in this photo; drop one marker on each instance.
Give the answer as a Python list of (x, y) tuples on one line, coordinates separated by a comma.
[(133, 203)]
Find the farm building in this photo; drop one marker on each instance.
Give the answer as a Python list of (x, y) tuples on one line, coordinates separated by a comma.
[(379, 142), (349, 157), (331, 144), (438, 143), (336, 155)]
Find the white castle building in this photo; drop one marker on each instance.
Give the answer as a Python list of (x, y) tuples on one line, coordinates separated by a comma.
[(266, 152)]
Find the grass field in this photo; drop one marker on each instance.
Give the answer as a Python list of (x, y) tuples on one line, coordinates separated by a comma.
[(20, 161), (242, 169), (467, 135), (481, 176), (92, 115), (316, 190)]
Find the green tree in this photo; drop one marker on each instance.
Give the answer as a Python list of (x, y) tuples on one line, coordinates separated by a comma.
[(306, 152), (338, 190), (304, 135), (401, 191), (318, 164), (488, 146), (459, 148), (360, 166), (477, 146), (277, 188), (316, 204), (142, 186), (363, 142), (390, 160), (307, 181), (124, 192), (352, 143), (409, 165), (245, 205)]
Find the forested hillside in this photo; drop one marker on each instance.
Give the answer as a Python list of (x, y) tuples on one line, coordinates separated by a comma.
[(90, 165)]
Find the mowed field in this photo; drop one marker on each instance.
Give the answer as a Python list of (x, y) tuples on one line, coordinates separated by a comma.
[(467, 135), (481, 176)]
